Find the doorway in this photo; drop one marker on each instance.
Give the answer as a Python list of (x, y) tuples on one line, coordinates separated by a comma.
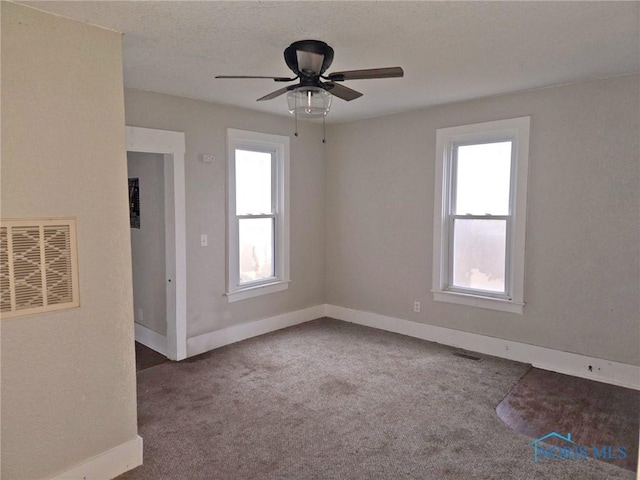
[(156, 158)]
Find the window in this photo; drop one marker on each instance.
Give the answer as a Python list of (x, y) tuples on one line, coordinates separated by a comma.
[(480, 209), (258, 215)]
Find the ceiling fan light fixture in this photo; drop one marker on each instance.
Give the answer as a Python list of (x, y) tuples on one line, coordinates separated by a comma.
[(309, 102), (309, 62)]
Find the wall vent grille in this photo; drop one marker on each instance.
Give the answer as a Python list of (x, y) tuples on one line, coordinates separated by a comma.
[(38, 266)]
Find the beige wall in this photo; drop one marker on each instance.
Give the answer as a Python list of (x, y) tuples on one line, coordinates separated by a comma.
[(362, 210), (582, 257), (205, 127), (68, 378), (147, 243)]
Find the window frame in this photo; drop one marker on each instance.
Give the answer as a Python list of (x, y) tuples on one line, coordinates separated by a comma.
[(278, 147), (447, 141)]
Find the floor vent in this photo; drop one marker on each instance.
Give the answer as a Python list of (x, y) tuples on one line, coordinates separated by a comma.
[(38, 266), (467, 356)]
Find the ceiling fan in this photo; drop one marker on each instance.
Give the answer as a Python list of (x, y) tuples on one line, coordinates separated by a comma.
[(309, 60)]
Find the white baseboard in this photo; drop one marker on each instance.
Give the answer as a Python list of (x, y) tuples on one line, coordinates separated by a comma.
[(574, 364), (605, 371), (151, 339), (107, 465), (226, 336)]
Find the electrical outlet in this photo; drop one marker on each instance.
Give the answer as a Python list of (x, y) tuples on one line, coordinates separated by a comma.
[(204, 240), (416, 307), (140, 316)]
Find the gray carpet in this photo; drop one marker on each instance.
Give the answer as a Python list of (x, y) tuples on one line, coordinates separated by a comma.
[(332, 400)]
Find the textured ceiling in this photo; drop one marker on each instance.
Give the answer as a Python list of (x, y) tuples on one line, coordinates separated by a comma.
[(450, 51)]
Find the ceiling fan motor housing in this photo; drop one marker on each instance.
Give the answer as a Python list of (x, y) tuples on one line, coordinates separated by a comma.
[(308, 59)]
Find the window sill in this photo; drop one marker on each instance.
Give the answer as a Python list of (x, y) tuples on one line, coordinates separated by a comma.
[(479, 302), (257, 290)]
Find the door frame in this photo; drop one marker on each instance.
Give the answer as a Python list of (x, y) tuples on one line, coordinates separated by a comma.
[(172, 146)]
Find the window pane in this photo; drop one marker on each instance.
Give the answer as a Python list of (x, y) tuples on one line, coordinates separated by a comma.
[(483, 174), (256, 249), (253, 182), (479, 253)]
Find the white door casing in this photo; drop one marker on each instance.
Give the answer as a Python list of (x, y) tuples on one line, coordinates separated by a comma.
[(172, 146)]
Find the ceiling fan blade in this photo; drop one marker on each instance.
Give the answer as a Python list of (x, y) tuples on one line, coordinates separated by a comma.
[(340, 91), (275, 94), (390, 72), (277, 79)]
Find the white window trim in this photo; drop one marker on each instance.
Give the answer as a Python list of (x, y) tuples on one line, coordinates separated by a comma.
[(516, 129), (280, 146)]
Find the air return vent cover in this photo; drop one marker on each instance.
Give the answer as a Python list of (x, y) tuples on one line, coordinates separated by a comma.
[(38, 266)]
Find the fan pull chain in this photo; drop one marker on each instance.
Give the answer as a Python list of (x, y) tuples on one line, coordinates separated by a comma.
[(295, 113), (324, 129)]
